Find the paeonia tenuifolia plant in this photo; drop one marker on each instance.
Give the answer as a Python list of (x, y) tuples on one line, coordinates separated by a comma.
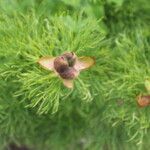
[(66, 66)]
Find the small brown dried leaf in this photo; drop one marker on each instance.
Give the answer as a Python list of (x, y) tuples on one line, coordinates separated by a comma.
[(47, 62), (68, 83), (84, 63)]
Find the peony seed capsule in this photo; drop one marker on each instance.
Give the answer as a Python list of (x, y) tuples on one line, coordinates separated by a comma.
[(67, 66)]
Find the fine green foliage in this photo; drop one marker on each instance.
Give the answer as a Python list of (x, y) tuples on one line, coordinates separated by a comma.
[(101, 111)]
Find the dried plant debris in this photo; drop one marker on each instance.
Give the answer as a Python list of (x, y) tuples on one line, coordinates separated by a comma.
[(143, 100)]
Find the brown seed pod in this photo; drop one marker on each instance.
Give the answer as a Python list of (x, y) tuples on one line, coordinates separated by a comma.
[(143, 100), (60, 64), (67, 66), (71, 58), (70, 73)]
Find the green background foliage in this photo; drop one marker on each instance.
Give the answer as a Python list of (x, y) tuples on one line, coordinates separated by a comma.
[(101, 111)]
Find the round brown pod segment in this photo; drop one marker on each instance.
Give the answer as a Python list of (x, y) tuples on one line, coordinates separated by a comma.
[(60, 64), (71, 58), (70, 73)]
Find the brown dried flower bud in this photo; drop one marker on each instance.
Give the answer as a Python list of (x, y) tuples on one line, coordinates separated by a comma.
[(70, 73)]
